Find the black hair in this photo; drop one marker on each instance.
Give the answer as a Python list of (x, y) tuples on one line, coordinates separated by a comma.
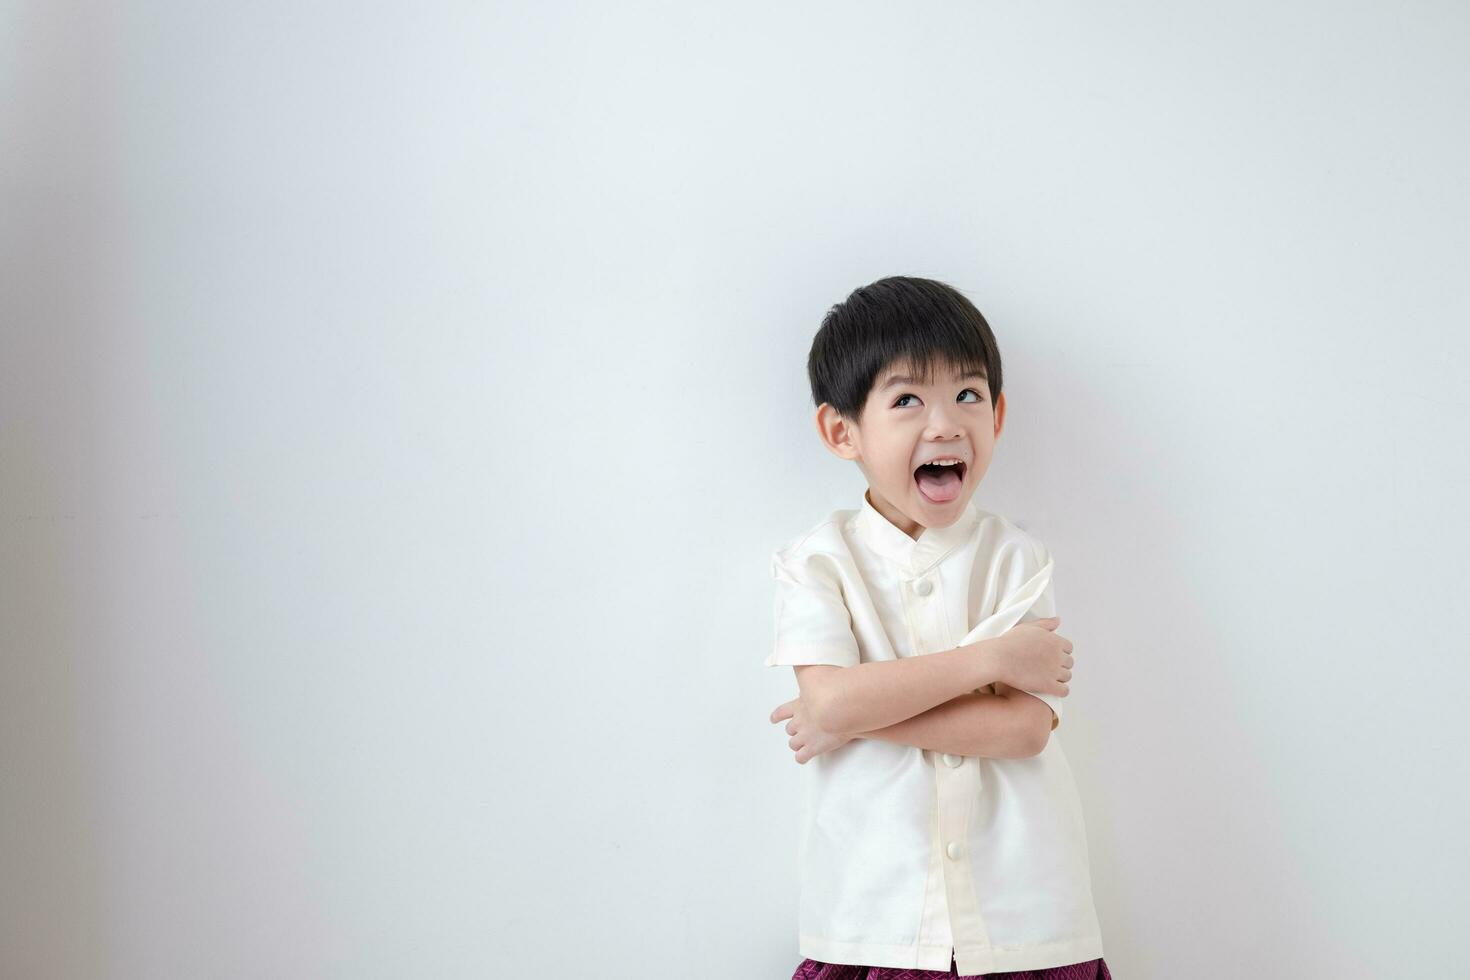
[(922, 322)]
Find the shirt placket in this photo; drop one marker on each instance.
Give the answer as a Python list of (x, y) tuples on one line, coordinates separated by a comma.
[(957, 786)]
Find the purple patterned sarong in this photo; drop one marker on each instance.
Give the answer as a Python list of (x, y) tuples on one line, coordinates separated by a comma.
[(817, 970)]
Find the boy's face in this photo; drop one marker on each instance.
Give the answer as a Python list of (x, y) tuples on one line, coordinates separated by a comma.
[(904, 424)]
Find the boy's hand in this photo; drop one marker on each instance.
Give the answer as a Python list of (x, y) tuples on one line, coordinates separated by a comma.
[(1033, 657), (807, 739)]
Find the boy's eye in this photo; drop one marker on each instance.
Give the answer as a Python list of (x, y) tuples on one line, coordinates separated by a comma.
[(978, 396)]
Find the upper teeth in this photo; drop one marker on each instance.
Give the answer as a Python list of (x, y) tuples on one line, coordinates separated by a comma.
[(943, 462)]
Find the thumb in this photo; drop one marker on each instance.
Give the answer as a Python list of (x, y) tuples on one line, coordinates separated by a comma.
[(782, 711)]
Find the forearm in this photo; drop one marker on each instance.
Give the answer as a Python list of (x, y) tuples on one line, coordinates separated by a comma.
[(988, 725), (1026, 698), (871, 696)]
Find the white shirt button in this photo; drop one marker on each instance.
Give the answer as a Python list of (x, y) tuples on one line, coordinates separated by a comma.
[(953, 761), (923, 586), (953, 850)]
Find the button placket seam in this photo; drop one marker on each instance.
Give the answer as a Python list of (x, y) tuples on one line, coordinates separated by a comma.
[(935, 899)]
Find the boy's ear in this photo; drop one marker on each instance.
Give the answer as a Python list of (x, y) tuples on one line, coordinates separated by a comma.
[(1000, 413), (836, 432)]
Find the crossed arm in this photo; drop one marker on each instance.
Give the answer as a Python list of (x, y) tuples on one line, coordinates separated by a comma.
[(1005, 724), (1008, 724)]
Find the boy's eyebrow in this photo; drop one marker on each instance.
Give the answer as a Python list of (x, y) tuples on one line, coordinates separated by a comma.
[(903, 379)]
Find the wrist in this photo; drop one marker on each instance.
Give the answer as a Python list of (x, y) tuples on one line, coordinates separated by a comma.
[(987, 664)]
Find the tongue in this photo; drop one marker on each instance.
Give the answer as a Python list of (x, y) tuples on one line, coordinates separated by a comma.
[(939, 487)]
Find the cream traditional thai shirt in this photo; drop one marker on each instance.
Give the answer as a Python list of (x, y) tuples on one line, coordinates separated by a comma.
[(908, 857)]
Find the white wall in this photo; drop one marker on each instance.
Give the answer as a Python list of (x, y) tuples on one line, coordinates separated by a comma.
[(399, 404)]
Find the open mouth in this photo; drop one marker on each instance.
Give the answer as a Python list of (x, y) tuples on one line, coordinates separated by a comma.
[(935, 469), (940, 483)]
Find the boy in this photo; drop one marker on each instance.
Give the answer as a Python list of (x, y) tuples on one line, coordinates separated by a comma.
[(942, 827)]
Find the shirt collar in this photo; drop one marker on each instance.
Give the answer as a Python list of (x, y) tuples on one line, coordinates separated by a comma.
[(933, 542)]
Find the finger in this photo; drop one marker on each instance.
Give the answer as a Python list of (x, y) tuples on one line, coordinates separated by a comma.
[(783, 711), (791, 727)]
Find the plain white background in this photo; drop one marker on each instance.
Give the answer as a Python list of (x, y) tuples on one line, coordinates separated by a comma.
[(399, 404)]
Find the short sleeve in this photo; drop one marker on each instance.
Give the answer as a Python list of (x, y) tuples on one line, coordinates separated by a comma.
[(1045, 607), (812, 623)]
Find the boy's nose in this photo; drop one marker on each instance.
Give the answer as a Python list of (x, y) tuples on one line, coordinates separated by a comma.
[(942, 422)]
